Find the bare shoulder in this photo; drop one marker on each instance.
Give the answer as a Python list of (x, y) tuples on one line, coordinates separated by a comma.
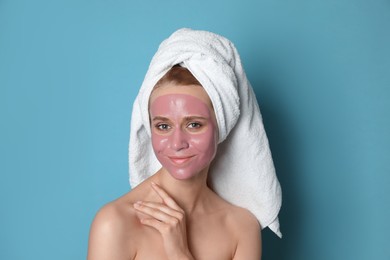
[(247, 231), (114, 216), (113, 231), (237, 219), (242, 219)]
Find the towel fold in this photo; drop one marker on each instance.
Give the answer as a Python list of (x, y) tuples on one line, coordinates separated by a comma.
[(242, 171)]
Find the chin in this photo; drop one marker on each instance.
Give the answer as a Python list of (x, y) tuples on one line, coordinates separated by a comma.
[(183, 174)]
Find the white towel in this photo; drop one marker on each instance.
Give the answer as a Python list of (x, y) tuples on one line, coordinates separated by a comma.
[(242, 171)]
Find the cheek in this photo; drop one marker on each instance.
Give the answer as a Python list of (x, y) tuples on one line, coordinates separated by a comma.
[(159, 142), (206, 142)]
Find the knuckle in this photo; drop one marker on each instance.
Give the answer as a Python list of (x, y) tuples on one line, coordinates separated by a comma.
[(180, 217), (166, 229), (174, 222)]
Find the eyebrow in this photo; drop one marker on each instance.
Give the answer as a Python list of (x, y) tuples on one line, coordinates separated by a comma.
[(160, 118), (191, 118), (187, 118)]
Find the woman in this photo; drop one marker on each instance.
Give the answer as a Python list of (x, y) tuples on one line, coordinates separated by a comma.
[(179, 119)]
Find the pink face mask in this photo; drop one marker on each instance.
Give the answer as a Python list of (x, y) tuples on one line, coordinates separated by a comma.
[(184, 134)]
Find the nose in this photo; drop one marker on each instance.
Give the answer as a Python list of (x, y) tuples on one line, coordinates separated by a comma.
[(179, 140)]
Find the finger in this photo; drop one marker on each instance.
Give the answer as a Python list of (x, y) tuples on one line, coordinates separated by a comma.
[(154, 223), (162, 227), (165, 197), (155, 213), (162, 207)]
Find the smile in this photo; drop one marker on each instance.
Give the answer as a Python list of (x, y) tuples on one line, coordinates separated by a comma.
[(180, 160)]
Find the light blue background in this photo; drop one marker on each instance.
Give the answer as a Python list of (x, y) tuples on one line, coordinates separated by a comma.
[(70, 70)]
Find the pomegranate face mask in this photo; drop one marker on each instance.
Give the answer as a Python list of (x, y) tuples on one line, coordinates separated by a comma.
[(184, 134)]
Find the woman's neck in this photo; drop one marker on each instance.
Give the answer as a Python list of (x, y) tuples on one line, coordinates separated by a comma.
[(189, 194)]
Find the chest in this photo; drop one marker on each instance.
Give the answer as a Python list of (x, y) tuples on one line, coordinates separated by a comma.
[(207, 241)]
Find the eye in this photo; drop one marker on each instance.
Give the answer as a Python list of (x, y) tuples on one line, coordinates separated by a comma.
[(163, 127), (194, 125)]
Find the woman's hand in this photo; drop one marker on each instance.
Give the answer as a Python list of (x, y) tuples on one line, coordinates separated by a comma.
[(168, 219)]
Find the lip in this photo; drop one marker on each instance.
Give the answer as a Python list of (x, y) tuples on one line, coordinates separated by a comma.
[(180, 160)]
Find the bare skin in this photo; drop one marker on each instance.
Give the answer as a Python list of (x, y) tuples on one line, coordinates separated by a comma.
[(169, 218)]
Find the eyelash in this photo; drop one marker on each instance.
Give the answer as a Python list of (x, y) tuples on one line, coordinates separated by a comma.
[(162, 126), (197, 125), (166, 127)]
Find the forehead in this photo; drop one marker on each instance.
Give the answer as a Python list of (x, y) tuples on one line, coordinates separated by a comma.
[(192, 90), (179, 106)]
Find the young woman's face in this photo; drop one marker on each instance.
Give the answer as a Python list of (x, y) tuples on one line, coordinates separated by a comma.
[(184, 129)]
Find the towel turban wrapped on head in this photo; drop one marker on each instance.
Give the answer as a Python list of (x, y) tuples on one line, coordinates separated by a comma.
[(242, 171)]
